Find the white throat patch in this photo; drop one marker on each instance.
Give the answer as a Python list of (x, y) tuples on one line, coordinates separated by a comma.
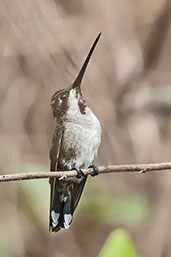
[(73, 107)]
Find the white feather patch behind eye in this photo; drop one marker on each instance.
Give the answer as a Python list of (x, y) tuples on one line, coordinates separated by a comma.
[(65, 198), (55, 217), (67, 220)]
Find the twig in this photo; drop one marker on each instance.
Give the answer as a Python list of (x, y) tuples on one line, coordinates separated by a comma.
[(140, 168)]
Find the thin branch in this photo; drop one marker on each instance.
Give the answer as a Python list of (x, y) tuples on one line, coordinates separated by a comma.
[(140, 168)]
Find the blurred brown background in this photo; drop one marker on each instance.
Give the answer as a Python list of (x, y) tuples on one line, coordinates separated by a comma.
[(128, 86)]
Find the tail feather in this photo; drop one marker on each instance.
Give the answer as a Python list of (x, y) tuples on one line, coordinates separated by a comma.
[(55, 208), (67, 216), (62, 208)]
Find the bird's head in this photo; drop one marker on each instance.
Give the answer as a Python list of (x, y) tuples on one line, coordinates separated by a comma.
[(71, 98)]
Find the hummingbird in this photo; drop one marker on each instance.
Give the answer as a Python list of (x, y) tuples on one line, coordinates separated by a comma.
[(75, 144)]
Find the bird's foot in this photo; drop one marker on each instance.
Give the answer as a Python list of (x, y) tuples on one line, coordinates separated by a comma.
[(95, 170), (80, 173)]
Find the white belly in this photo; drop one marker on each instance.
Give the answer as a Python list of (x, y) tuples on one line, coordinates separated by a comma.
[(83, 134)]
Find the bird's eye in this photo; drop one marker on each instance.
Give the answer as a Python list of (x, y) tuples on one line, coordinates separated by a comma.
[(63, 96)]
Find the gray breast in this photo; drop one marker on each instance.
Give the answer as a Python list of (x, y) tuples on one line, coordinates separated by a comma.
[(80, 143)]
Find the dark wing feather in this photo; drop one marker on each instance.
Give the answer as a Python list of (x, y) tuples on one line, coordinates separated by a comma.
[(55, 146), (76, 193), (54, 156)]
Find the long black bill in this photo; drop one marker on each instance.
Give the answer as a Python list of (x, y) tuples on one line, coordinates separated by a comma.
[(78, 79)]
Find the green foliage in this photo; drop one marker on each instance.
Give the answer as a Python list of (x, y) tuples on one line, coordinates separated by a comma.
[(118, 244), (3, 243), (128, 209), (34, 199)]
